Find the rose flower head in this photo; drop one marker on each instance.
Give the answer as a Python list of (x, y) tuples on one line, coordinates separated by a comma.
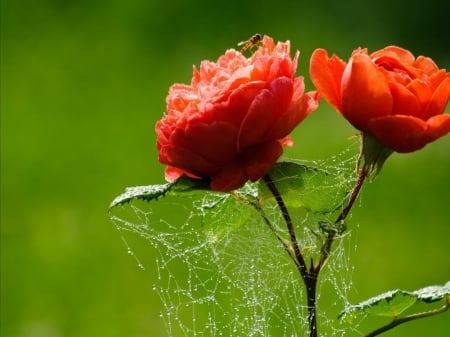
[(396, 100), (231, 123)]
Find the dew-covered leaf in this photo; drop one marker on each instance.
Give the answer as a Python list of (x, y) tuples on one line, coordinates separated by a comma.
[(394, 302), (153, 192), (307, 187), (223, 214), (433, 293), (391, 303)]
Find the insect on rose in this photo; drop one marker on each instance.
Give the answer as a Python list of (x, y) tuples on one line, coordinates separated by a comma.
[(250, 43)]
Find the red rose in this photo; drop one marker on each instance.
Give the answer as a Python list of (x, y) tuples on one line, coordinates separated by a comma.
[(231, 123), (389, 94)]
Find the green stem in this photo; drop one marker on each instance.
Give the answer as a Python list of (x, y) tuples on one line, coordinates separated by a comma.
[(326, 248), (309, 279), (274, 230), (313, 273), (290, 226), (310, 276), (397, 322)]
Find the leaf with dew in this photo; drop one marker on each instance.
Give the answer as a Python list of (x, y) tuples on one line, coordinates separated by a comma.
[(303, 186), (225, 213), (153, 192), (221, 212), (393, 303)]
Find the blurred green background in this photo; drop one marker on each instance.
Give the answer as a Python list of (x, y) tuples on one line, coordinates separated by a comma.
[(82, 85)]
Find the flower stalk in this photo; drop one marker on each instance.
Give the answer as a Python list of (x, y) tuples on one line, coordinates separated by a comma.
[(310, 275)]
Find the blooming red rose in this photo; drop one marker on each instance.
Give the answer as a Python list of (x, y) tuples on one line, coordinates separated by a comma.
[(231, 123), (398, 99)]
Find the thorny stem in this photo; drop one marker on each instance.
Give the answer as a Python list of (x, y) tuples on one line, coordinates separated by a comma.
[(397, 322), (311, 276)]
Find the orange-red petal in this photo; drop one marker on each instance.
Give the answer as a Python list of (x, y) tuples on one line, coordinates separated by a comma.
[(266, 108), (426, 64), (187, 160), (406, 133), (404, 101), (296, 113), (365, 92), (438, 126), (173, 173), (402, 55), (221, 139), (439, 100), (253, 165), (326, 74)]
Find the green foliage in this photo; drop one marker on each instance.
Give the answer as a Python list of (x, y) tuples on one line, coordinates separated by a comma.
[(225, 213), (393, 303), (307, 187), (220, 213), (300, 186), (153, 192)]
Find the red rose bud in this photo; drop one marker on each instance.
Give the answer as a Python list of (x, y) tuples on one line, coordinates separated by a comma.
[(398, 99), (231, 123)]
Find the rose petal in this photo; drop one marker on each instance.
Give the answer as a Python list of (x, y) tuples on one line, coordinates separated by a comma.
[(400, 133), (172, 173), (297, 112), (437, 78), (221, 138), (230, 178), (404, 101), (422, 91), (365, 92), (402, 55), (187, 160), (280, 67), (264, 111), (438, 126), (257, 121), (326, 74), (261, 159), (426, 64), (234, 110), (439, 100), (282, 89), (253, 165)]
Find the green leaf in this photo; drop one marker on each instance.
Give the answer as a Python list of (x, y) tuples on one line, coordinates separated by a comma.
[(153, 192), (394, 302), (219, 213), (307, 187), (433, 293), (225, 213), (391, 303), (329, 228)]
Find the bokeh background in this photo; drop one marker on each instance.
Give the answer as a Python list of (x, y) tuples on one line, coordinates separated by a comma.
[(82, 85)]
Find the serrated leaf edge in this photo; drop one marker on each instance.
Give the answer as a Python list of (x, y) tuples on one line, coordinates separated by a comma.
[(423, 294)]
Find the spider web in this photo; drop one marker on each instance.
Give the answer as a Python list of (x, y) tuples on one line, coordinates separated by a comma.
[(224, 273)]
